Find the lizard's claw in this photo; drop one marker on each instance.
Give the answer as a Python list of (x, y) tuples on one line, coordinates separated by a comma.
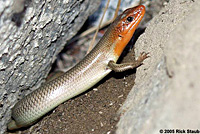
[(143, 56)]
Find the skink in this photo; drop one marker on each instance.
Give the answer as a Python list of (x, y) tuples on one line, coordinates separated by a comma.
[(95, 66)]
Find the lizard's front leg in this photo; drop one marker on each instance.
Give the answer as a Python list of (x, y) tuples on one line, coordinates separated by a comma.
[(126, 66)]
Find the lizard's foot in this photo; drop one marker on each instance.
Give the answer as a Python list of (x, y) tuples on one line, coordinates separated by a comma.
[(142, 57)]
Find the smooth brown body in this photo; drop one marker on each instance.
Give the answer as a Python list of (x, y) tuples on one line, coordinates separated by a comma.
[(95, 66)]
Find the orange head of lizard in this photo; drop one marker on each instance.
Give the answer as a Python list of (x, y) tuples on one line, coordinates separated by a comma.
[(125, 25)]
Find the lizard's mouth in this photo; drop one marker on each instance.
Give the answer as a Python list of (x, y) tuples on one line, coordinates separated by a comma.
[(138, 13)]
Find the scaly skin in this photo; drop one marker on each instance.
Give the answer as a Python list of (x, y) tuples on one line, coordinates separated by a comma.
[(95, 66)]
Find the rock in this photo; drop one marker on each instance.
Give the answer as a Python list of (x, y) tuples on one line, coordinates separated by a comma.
[(166, 91), (32, 33)]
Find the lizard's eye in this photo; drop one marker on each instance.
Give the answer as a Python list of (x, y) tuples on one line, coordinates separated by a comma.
[(129, 19)]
